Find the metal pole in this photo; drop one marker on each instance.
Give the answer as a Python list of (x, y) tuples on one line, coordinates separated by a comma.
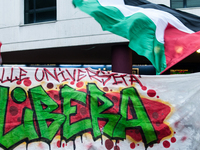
[(184, 3), (122, 59)]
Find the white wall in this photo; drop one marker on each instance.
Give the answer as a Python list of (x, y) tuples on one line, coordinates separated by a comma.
[(166, 2), (72, 27)]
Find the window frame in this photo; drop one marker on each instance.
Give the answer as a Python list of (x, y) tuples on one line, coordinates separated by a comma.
[(184, 4), (35, 11)]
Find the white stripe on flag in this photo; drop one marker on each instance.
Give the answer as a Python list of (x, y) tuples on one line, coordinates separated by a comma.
[(159, 17)]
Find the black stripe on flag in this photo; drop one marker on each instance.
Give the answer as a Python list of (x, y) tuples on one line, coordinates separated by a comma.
[(189, 20)]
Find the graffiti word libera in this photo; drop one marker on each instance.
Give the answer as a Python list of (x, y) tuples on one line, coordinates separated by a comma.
[(41, 121)]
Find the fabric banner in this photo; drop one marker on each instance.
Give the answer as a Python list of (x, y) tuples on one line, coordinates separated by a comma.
[(86, 109)]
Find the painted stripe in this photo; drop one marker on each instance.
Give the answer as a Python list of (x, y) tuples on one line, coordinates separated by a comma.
[(160, 18)]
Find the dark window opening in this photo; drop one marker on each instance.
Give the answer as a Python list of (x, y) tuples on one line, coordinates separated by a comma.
[(184, 3), (39, 11)]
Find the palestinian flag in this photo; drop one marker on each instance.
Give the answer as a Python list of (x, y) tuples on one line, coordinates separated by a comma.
[(164, 35)]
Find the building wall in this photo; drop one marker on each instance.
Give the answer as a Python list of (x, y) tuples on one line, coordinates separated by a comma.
[(72, 28)]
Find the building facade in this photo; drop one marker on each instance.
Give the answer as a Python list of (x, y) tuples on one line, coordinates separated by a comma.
[(55, 32)]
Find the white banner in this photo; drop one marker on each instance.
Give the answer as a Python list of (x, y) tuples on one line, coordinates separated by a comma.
[(86, 109)]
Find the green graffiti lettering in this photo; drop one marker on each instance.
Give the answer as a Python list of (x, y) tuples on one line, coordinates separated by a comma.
[(39, 98), (72, 129), (20, 133), (97, 111), (142, 121), (18, 95), (48, 122)]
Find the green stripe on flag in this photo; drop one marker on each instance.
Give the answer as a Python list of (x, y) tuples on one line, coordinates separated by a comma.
[(137, 28)]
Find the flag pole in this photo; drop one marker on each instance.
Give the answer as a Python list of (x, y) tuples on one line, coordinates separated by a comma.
[(121, 59)]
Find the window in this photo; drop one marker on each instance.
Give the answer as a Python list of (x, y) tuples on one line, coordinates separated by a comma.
[(185, 3), (39, 11)]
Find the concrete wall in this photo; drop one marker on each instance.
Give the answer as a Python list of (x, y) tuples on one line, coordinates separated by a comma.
[(72, 28)]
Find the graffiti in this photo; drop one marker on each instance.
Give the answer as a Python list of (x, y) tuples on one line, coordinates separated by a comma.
[(11, 78), (74, 112), (20, 74), (62, 108)]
